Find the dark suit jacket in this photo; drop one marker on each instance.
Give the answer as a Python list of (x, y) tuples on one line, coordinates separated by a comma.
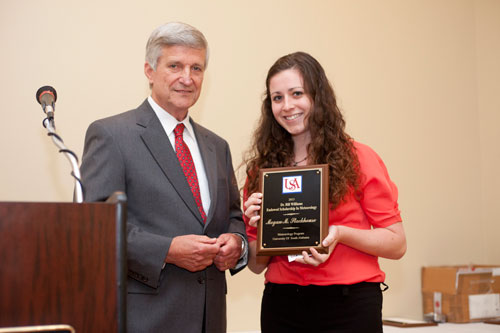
[(130, 152)]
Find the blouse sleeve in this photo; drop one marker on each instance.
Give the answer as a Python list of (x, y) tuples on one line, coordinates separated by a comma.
[(379, 194)]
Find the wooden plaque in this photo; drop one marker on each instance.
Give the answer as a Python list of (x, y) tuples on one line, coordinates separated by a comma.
[(294, 210)]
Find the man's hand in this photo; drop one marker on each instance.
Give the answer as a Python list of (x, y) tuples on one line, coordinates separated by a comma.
[(193, 252), (229, 253)]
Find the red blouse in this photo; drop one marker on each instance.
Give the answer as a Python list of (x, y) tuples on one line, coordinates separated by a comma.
[(377, 208)]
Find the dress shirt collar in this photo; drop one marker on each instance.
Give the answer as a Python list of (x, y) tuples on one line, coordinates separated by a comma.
[(168, 121)]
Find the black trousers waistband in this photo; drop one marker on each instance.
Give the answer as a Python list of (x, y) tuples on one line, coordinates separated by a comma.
[(315, 290)]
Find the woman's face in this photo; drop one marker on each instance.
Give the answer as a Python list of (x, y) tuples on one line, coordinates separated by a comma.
[(290, 103)]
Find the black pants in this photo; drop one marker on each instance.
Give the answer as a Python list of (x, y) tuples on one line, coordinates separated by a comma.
[(334, 309)]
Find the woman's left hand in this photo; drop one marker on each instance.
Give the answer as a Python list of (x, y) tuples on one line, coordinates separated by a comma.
[(316, 258)]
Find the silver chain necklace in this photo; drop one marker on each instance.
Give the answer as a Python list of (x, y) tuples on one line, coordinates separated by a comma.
[(295, 163)]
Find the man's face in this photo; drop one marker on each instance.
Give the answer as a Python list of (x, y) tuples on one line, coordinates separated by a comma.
[(176, 83)]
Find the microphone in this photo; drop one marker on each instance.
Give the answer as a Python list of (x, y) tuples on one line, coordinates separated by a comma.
[(47, 96)]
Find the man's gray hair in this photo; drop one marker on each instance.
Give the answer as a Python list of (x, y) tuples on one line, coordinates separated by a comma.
[(174, 33)]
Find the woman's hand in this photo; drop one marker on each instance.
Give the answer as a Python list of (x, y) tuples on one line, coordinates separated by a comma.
[(252, 208), (317, 258), (388, 242)]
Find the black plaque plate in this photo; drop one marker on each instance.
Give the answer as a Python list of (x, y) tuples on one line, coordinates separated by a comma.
[(294, 210)]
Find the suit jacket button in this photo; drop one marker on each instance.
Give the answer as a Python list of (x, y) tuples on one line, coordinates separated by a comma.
[(201, 280)]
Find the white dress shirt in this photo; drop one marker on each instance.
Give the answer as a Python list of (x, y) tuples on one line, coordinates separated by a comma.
[(169, 123)]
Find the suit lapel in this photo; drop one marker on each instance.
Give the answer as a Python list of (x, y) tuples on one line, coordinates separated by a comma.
[(207, 151), (157, 142)]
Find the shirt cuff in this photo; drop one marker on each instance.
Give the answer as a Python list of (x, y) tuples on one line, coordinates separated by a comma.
[(243, 260)]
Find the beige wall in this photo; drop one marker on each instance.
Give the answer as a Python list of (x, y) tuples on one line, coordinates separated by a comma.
[(418, 81), (488, 101)]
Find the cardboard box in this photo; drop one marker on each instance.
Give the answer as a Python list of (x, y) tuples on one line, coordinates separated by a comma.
[(495, 271), (462, 293)]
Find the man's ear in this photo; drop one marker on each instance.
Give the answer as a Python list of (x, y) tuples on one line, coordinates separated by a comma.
[(149, 72)]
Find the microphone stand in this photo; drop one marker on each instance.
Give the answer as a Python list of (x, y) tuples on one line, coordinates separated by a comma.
[(48, 123)]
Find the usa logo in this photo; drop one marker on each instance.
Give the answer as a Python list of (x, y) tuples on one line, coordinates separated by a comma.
[(292, 184)]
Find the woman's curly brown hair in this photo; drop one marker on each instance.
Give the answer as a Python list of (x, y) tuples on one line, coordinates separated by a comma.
[(272, 145)]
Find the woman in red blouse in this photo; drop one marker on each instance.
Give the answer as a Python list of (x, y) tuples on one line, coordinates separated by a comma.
[(301, 124)]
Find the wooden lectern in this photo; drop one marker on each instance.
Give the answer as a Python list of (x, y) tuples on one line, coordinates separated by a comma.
[(63, 264)]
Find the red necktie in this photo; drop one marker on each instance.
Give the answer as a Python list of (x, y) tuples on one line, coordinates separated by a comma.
[(184, 156)]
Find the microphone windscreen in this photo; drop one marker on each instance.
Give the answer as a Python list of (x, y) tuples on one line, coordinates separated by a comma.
[(41, 94)]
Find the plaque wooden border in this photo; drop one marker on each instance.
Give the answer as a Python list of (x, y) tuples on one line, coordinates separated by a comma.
[(263, 250)]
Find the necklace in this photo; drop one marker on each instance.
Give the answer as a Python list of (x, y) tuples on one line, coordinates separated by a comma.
[(295, 163)]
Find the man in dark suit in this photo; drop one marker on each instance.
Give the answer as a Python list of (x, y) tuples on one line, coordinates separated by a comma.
[(184, 223)]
